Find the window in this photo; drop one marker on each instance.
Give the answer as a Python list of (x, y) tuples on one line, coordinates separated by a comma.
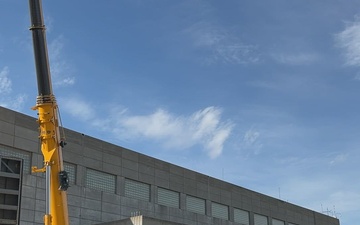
[(10, 189), (196, 205), (100, 181), (138, 190), (71, 170), (260, 220), (168, 198), (6, 151), (241, 216), (219, 211), (277, 222)]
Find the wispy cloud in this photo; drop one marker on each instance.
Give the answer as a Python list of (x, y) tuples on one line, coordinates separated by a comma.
[(220, 45), (77, 108), (251, 141), (202, 128), (303, 58), (348, 40), (5, 82), (340, 158), (7, 99), (60, 68)]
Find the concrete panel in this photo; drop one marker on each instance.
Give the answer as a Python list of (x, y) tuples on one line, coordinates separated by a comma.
[(162, 174), (71, 157), (130, 164), (146, 160), (40, 205), (75, 201), (90, 214), (92, 143), (111, 159), (27, 215), (174, 178), (189, 174), (7, 139), (29, 180), (28, 203), (162, 182), (110, 208), (146, 178), (130, 155), (93, 153), (91, 204), (39, 217), (143, 168), (176, 170), (132, 174), (26, 121), (92, 194), (202, 178), (91, 163), (110, 198), (190, 187), (179, 187), (40, 182), (40, 194), (28, 191), (26, 133), (161, 165), (26, 144), (6, 127), (74, 219), (73, 148), (74, 137), (7, 115), (110, 168), (105, 216)]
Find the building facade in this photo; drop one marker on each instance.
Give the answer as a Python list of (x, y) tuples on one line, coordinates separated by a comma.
[(109, 183)]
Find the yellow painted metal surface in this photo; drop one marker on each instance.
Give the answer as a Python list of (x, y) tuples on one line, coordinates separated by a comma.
[(51, 150)]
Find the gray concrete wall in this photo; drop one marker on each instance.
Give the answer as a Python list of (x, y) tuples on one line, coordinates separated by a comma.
[(89, 206)]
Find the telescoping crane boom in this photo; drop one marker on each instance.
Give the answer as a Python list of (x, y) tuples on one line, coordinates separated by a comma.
[(51, 143)]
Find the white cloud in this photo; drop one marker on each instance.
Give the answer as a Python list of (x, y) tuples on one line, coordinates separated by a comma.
[(303, 58), (251, 141), (202, 128), (357, 76), (339, 159), (7, 98), (77, 108), (60, 68), (5, 82), (349, 41), (221, 46)]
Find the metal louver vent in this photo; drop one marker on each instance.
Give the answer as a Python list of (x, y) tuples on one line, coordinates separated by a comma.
[(260, 220), (220, 211), (196, 205), (241, 216), (138, 190), (277, 222), (100, 181), (168, 198)]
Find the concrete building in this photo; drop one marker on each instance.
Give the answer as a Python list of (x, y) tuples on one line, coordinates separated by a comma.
[(113, 185)]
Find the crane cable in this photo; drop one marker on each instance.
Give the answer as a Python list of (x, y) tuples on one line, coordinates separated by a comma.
[(62, 130)]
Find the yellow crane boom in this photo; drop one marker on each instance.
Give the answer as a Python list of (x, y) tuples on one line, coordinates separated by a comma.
[(51, 143)]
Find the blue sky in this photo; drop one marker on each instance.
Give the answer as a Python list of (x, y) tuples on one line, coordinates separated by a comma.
[(263, 94)]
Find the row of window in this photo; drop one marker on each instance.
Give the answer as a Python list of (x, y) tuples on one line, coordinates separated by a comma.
[(134, 189), (139, 190)]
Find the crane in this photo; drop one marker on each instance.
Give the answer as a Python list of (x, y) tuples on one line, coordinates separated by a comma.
[(57, 180)]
